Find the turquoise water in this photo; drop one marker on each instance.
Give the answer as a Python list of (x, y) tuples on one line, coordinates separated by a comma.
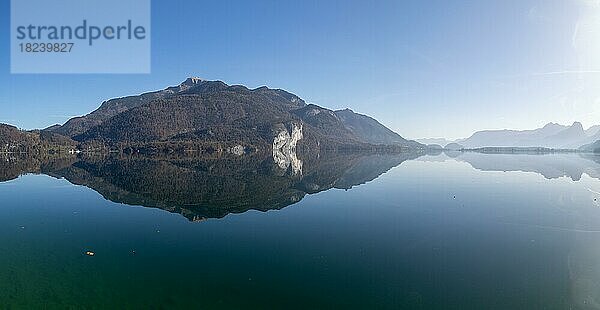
[(430, 232)]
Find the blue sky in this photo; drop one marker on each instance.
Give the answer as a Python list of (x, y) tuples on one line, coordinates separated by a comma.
[(423, 68)]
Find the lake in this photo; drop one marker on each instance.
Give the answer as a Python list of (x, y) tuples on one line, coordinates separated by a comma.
[(408, 231)]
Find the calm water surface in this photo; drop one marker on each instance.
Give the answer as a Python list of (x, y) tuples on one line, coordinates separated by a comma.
[(465, 231)]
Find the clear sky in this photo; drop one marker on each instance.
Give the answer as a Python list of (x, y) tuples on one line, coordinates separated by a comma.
[(423, 68)]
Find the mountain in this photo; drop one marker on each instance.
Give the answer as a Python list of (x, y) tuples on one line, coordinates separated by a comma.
[(214, 113), (326, 122), (14, 140), (435, 147), (369, 130), (439, 141), (572, 137), (552, 135), (592, 147), (453, 147), (592, 131), (113, 107)]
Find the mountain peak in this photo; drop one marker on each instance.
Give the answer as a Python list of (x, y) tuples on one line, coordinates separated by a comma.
[(551, 124), (191, 81), (552, 135)]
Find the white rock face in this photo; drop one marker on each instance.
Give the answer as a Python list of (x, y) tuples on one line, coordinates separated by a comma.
[(185, 85), (284, 149), (313, 112)]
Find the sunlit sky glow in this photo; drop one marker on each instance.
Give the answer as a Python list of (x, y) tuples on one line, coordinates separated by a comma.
[(423, 68)]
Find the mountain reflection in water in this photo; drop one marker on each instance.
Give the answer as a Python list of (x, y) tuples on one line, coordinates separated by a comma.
[(446, 231), (208, 188), (551, 166), (213, 188)]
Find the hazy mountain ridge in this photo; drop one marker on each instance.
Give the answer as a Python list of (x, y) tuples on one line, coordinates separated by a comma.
[(438, 141), (552, 135)]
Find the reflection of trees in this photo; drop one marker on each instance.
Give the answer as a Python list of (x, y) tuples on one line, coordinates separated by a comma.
[(213, 188), (14, 165)]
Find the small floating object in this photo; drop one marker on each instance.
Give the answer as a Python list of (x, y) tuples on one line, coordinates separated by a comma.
[(89, 253), (454, 197)]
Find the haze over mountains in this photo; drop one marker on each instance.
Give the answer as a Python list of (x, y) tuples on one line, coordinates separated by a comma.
[(552, 135)]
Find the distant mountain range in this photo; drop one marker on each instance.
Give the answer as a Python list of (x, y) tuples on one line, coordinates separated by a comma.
[(215, 116), (552, 136), (437, 141)]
